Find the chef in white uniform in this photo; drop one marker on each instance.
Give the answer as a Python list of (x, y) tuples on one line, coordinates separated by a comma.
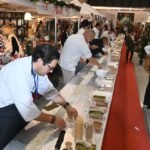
[(18, 80)]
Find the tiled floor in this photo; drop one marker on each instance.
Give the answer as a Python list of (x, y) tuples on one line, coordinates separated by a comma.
[(142, 77)]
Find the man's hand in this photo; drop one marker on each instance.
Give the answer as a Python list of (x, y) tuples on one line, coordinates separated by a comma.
[(93, 47), (99, 66), (82, 61), (106, 53), (52, 119), (72, 112), (59, 122)]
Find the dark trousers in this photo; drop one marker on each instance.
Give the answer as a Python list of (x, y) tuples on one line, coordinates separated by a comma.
[(147, 95), (128, 52), (11, 122), (79, 67)]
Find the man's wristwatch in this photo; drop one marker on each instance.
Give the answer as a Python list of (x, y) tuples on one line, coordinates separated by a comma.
[(66, 105), (53, 119)]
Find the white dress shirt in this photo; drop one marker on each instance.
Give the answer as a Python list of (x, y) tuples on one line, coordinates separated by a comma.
[(81, 31), (17, 85), (105, 34), (74, 48), (96, 33), (147, 49)]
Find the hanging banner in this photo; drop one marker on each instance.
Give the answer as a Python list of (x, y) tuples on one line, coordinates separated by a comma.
[(58, 10)]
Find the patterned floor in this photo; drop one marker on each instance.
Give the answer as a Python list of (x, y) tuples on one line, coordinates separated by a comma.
[(142, 81)]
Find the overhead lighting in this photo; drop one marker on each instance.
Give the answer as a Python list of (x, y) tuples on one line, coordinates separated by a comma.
[(27, 16), (119, 8)]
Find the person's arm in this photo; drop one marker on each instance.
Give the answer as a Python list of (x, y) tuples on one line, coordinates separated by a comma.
[(93, 47), (53, 95), (72, 112), (56, 120), (94, 62)]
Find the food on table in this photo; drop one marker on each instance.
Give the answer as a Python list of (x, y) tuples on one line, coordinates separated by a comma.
[(99, 98), (96, 114), (85, 146), (97, 126), (109, 77), (79, 128), (112, 69), (103, 109), (101, 104), (68, 145), (89, 130)]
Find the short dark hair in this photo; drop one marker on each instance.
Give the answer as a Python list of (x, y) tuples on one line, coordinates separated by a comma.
[(46, 52), (98, 24), (85, 23)]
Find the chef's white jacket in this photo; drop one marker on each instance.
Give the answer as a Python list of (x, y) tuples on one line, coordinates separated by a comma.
[(17, 85)]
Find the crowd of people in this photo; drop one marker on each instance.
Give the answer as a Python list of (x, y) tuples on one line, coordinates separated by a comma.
[(29, 74)]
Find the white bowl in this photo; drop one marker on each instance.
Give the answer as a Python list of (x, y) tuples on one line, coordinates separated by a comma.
[(101, 73)]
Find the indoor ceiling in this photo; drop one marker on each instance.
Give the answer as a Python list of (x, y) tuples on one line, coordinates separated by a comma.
[(120, 3)]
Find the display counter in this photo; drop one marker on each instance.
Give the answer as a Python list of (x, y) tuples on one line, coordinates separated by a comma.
[(80, 93)]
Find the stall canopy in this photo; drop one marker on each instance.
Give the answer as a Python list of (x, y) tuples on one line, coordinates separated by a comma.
[(17, 5), (24, 3), (87, 10), (76, 2), (43, 9)]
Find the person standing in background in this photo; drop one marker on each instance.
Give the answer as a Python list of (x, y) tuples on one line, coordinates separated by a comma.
[(146, 102), (85, 24), (76, 46), (97, 29), (41, 30), (11, 42), (129, 38), (147, 95), (105, 31), (66, 33)]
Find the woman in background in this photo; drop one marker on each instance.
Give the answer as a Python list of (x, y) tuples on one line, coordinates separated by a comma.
[(11, 42), (66, 33)]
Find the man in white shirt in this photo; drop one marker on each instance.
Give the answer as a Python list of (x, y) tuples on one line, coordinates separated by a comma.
[(147, 49), (105, 31), (96, 29), (75, 47), (18, 80), (85, 24)]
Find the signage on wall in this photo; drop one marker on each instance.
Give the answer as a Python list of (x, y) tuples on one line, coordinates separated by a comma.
[(125, 18)]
